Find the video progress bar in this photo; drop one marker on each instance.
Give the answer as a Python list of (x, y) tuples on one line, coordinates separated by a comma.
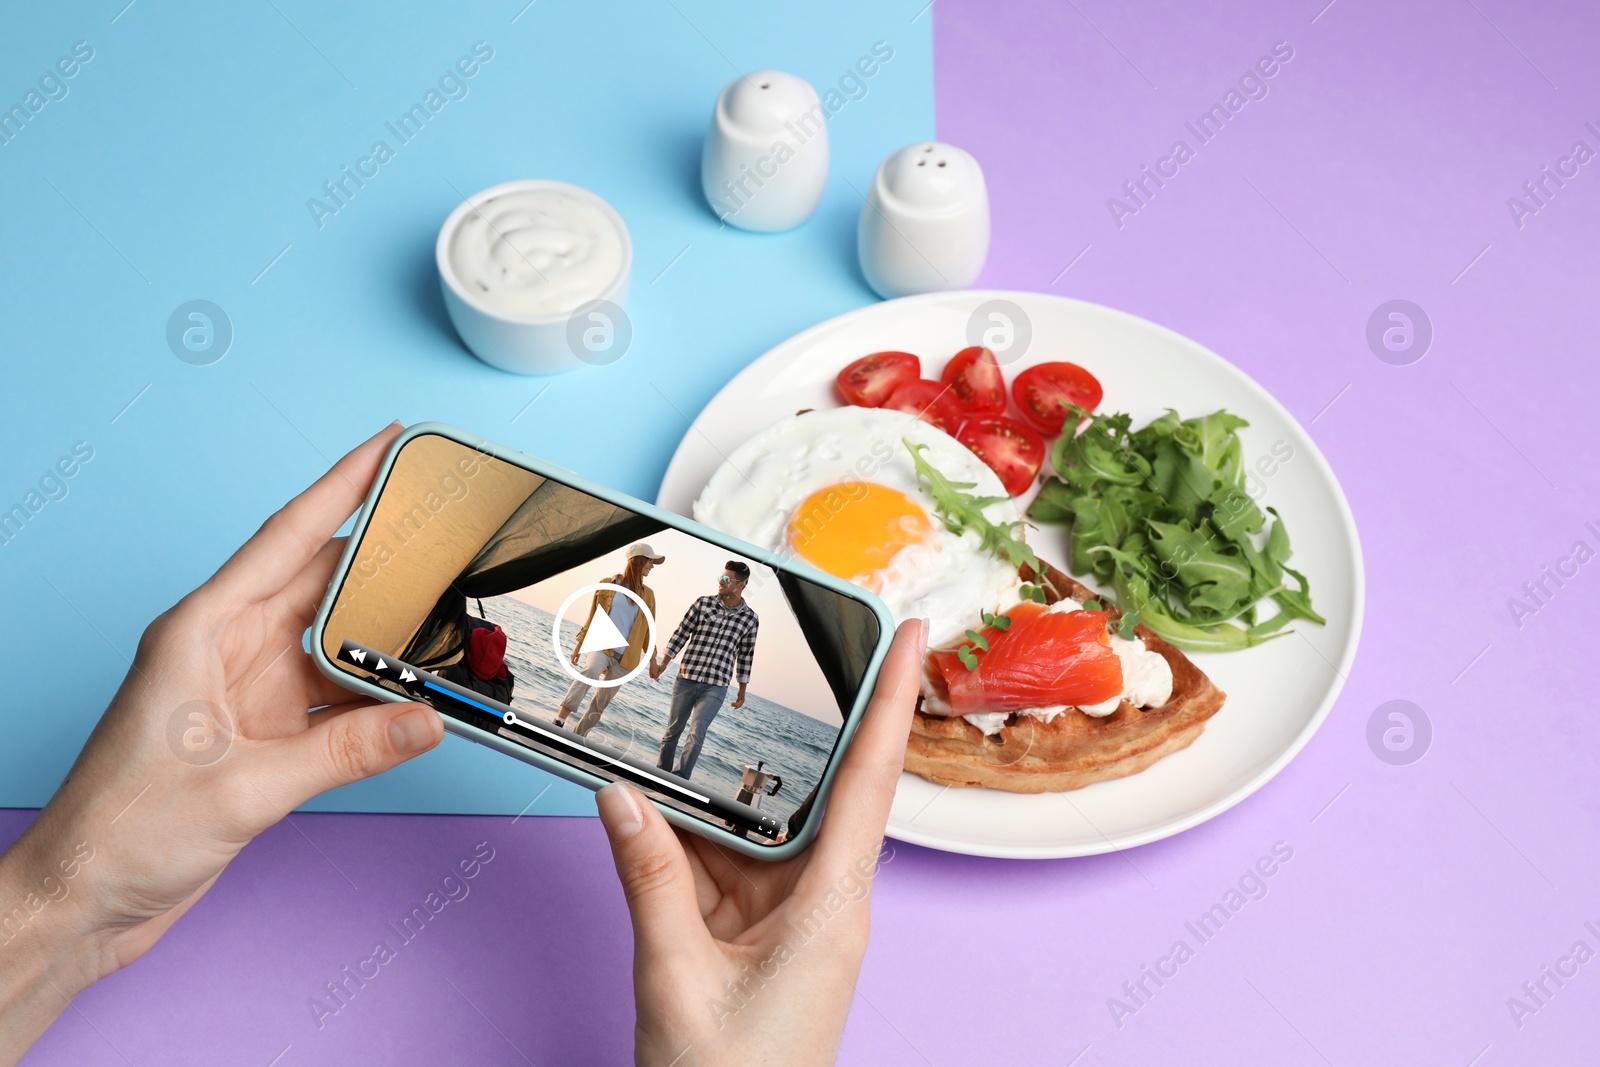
[(416, 680)]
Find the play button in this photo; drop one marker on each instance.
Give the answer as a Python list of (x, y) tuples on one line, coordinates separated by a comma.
[(602, 635)]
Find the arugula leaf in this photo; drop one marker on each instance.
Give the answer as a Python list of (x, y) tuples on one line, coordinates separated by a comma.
[(1296, 603), (1133, 591), (1099, 454), (1054, 503), (1180, 477), (962, 511), (1162, 516)]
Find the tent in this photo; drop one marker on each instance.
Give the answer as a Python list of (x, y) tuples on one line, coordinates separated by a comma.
[(558, 528)]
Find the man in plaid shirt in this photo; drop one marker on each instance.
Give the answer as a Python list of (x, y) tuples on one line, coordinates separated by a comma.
[(718, 640)]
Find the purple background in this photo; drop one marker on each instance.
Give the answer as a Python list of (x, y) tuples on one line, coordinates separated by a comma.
[(1419, 898)]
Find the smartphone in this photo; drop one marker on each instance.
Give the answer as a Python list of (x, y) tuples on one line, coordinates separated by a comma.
[(601, 638)]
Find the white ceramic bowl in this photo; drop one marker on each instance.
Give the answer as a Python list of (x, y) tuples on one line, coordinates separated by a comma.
[(524, 344)]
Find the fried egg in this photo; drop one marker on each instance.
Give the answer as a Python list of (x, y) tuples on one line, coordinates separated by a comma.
[(837, 489)]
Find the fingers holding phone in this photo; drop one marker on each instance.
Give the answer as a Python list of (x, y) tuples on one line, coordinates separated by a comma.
[(213, 720), (871, 769), (700, 915)]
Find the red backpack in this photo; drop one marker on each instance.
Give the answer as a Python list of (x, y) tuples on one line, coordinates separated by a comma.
[(483, 668), (486, 652)]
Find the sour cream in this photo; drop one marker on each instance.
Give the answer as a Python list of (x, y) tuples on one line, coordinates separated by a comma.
[(538, 251)]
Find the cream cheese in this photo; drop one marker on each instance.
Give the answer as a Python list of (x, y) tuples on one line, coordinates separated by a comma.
[(1146, 675)]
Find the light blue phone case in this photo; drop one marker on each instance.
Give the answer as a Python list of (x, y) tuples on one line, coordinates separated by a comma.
[(703, 827)]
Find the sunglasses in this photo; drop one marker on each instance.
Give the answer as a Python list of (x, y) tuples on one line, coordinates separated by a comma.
[(728, 579)]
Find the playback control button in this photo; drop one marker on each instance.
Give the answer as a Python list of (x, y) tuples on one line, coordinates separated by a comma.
[(384, 667)]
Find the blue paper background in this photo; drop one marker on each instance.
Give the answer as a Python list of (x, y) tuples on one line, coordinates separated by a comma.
[(179, 165)]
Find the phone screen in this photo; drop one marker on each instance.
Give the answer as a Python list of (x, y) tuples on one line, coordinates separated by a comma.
[(601, 637)]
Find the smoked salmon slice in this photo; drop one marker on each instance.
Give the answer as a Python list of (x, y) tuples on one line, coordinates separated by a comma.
[(1042, 659)]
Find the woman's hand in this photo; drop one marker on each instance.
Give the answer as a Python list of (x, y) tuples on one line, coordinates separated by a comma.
[(206, 744), (738, 961)]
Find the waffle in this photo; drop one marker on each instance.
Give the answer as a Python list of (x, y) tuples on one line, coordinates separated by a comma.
[(1029, 755)]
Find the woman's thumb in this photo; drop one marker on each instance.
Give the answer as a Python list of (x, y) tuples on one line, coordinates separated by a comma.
[(653, 869), (346, 746)]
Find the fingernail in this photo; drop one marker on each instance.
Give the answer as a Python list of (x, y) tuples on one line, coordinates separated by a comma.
[(619, 811), (922, 633), (411, 732)]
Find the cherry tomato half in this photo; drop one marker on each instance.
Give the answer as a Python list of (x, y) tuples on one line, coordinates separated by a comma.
[(1042, 391), (869, 380), (975, 381), (928, 401), (1012, 450)]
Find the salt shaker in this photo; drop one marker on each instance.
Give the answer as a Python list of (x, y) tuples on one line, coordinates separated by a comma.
[(765, 160), (925, 225)]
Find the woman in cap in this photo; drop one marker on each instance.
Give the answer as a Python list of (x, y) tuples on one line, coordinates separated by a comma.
[(624, 614)]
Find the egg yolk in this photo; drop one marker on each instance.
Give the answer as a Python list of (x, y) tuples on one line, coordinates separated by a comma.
[(853, 531)]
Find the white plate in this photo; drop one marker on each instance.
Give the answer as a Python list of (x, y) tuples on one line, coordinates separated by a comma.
[(1278, 693)]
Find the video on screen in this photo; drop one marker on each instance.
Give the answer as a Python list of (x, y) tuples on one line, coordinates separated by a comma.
[(601, 637)]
